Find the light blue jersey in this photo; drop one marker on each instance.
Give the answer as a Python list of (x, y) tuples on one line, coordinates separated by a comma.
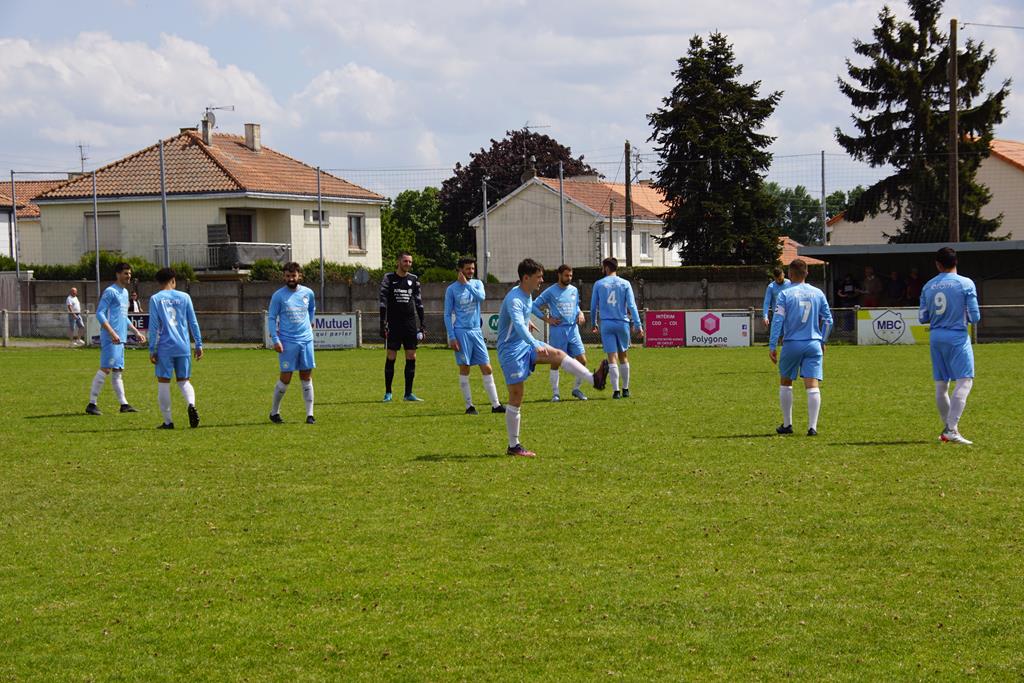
[(517, 348), (113, 309), (291, 313), (771, 295), (948, 302), (801, 314), (462, 306), (171, 317), (562, 303), (612, 301)]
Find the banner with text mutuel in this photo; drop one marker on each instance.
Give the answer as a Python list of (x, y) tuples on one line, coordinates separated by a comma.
[(335, 331)]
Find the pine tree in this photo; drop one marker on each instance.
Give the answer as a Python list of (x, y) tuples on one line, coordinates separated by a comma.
[(902, 100), (713, 160)]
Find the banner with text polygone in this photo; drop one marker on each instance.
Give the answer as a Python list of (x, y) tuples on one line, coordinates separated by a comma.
[(334, 331), (718, 328), (890, 326)]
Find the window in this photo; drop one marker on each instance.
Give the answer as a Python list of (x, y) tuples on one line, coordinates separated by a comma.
[(109, 229), (312, 217), (356, 233), (645, 244)]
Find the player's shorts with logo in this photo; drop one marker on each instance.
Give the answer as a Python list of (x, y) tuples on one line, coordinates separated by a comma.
[(566, 338), (517, 362), (472, 348), (111, 355), (614, 335), (952, 354), (402, 336), (803, 358), (181, 366), (296, 356)]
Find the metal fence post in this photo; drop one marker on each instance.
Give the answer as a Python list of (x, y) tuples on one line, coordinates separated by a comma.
[(6, 328), (359, 329)]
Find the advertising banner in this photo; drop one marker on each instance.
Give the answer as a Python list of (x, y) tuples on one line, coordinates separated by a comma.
[(490, 329), (890, 326), (336, 331), (92, 326), (664, 329), (718, 328)]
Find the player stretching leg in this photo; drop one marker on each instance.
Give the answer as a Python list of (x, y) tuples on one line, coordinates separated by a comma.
[(171, 317), (112, 315), (948, 302), (562, 301), (803, 319), (290, 321), (462, 321), (612, 306), (519, 352)]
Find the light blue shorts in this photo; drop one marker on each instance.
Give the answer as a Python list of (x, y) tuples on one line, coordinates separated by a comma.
[(566, 338), (803, 358), (296, 356), (614, 336), (472, 348), (111, 355), (518, 363), (181, 366), (952, 355)]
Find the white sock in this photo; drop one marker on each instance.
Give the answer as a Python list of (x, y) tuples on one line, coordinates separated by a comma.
[(188, 392), (307, 395), (279, 390), (118, 383), (163, 397), (578, 370), (492, 390), (959, 401), (942, 400), (97, 386), (512, 425), (786, 401), (813, 406), (613, 375), (579, 382), (553, 376), (624, 372), (467, 393)]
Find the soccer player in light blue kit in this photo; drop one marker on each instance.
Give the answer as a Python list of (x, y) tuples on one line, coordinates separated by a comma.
[(612, 306), (112, 315), (771, 294), (171, 318), (290, 323), (804, 320), (519, 352), (564, 317), (948, 302), (462, 321)]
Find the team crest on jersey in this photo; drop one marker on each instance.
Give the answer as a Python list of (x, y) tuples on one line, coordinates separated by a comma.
[(409, 282), (305, 299)]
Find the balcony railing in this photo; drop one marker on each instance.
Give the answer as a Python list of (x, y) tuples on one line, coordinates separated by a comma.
[(223, 255)]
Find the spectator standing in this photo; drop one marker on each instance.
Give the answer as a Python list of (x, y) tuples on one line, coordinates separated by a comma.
[(871, 288)]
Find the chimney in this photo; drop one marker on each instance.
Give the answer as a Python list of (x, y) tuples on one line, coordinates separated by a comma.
[(252, 136), (206, 131), (189, 129), (529, 169)]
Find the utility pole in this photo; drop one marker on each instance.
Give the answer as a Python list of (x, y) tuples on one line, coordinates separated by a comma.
[(611, 228), (824, 214), (954, 152), (629, 209), (561, 209), (485, 254)]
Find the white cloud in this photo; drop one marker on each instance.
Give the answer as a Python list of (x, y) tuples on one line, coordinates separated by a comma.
[(352, 91)]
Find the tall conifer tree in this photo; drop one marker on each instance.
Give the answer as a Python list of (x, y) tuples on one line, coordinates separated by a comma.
[(902, 100), (713, 160)]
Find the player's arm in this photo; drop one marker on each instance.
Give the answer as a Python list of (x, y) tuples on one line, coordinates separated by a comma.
[(519, 316), (385, 297), (971, 302), (417, 298), (825, 315), (138, 333), (777, 323), (449, 309), (766, 306), (273, 314), (633, 312), (156, 326), (193, 325), (312, 306), (102, 315), (476, 288), (594, 302), (924, 314)]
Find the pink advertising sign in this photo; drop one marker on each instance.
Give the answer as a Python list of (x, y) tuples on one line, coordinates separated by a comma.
[(665, 328)]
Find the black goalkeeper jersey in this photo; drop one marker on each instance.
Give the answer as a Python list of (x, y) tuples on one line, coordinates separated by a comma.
[(400, 301)]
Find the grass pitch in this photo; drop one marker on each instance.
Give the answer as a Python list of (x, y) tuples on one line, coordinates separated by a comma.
[(670, 536)]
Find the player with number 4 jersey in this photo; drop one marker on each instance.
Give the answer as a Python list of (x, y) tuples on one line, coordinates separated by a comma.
[(948, 302), (612, 308)]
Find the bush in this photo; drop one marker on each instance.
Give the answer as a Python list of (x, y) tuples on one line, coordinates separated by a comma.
[(184, 271), (492, 279), (267, 270), (333, 272), (438, 274), (7, 263)]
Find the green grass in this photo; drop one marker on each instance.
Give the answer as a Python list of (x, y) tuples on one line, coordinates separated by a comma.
[(671, 536)]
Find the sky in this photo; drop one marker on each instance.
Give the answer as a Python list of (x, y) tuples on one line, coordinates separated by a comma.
[(394, 93)]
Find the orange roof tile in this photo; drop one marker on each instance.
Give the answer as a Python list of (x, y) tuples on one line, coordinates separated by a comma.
[(191, 167), (595, 195), (789, 252), (1009, 151), (27, 190)]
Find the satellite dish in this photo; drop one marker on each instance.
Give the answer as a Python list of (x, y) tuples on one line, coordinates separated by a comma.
[(210, 118), (362, 276)]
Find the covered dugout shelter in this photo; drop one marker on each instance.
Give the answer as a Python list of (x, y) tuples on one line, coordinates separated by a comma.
[(997, 269)]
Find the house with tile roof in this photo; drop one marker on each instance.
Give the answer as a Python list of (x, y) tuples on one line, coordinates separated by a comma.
[(230, 200), (28, 213), (1002, 173)]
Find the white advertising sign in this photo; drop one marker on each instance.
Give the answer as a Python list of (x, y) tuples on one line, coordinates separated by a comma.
[(890, 326), (490, 328), (337, 331), (718, 328)]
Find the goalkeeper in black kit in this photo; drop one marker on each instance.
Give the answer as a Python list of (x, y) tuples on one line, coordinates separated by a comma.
[(401, 322)]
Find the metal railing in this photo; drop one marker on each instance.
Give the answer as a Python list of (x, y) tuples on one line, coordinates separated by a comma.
[(203, 256)]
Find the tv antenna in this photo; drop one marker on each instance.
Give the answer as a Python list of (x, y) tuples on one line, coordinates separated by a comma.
[(211, 119), (526, 129), (81, 154)]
